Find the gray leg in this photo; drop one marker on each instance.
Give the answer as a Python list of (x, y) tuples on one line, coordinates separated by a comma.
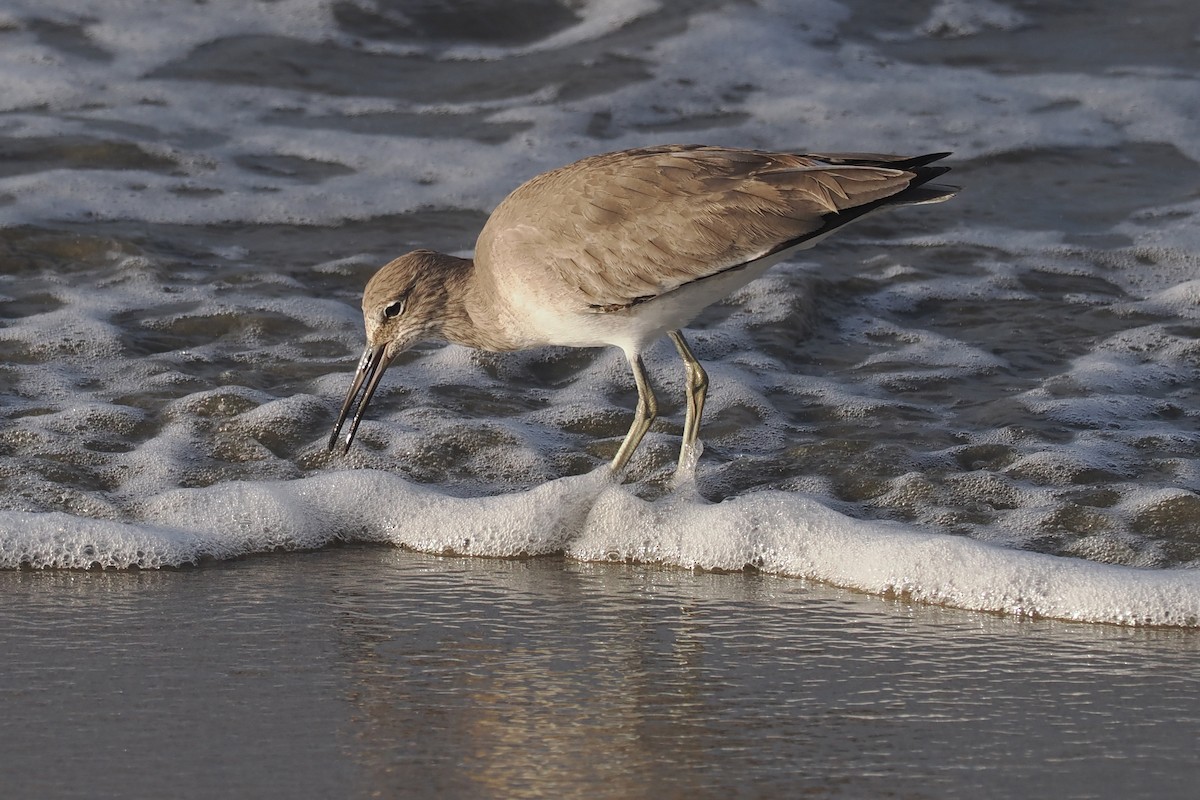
[(697, 390), (647, 410)]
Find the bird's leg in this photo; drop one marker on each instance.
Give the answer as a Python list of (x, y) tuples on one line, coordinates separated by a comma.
[(647, 410), (697, 390)]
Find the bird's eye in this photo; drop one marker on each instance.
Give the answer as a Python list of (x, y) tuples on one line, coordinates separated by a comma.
[(394, 309)]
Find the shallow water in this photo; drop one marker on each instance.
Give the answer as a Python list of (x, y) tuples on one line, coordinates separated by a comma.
[(363, 672)]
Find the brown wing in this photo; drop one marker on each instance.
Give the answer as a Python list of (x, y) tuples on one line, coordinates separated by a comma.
[(625, 227)]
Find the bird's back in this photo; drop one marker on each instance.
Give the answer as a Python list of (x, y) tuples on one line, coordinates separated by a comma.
[(618, 229)]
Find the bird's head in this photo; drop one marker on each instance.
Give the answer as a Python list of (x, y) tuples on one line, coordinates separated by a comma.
[(403, 304)]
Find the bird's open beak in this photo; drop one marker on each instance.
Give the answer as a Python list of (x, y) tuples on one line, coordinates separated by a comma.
[(371, 366)]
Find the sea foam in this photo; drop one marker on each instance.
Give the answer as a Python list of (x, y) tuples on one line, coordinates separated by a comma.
[(590, 518)]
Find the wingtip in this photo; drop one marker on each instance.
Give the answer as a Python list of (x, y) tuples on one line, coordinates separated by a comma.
[(929, 158), (929, 193)]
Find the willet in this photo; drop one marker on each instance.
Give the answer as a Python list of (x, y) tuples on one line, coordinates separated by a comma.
[(619, 249)]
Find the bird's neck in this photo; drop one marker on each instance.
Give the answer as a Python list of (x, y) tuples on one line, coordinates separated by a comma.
[(474, 314)]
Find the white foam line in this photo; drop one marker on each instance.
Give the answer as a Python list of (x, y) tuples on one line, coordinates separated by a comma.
[(790, 535), (589, 518)]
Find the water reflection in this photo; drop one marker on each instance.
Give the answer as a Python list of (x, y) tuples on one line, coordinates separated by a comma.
[(538, 678), (375, 672)]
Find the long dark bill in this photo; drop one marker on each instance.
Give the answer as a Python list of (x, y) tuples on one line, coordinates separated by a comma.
[(371, 367)]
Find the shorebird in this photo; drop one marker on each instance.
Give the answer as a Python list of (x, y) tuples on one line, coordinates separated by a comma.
[(620, 249)]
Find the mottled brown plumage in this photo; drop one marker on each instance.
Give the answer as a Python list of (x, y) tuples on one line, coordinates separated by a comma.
[(644, 222)]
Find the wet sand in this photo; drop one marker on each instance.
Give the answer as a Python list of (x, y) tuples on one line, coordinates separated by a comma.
[(376, 672)]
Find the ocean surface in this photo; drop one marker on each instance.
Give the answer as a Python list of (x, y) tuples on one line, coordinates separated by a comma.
[(982, 414)]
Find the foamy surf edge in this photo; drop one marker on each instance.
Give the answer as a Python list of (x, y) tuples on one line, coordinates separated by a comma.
[(590, 518)]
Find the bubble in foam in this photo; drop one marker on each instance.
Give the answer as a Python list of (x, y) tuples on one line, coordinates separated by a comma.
[(63, 541)]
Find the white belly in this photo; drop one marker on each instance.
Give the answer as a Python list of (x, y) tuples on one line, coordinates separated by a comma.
[(633, 328)]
